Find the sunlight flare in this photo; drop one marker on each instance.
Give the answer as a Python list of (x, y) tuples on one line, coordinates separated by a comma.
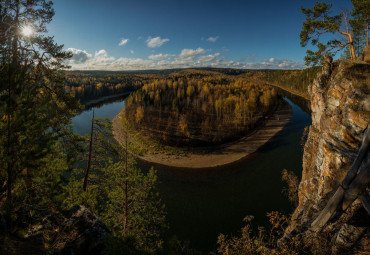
[(27, 31)]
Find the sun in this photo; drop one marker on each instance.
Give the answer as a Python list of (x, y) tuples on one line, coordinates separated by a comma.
[(27, 31)]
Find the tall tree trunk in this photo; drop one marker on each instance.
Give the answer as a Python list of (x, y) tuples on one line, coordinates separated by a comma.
[(90, 152), (11, 81), (126, 191), (9, 167), (9, 163), (367, 34), (353, 53), (350, 41)]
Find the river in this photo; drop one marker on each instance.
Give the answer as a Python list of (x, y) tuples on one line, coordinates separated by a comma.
[(201, 203)]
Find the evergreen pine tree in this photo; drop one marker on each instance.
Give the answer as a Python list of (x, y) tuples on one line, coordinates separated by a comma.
[(319, 22), (360, 23), (121, 194), (35, 111)]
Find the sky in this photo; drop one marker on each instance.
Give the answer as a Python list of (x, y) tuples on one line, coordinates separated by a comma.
[(164, 34)]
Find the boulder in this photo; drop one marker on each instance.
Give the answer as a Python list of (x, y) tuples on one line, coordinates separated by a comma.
[(77, 231), (84, 231)]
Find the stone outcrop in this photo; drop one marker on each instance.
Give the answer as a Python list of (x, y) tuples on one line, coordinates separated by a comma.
[(87, 233), (340, 104), (77, 231)]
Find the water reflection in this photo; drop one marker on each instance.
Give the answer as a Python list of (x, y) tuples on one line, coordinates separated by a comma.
[(303, 103), (82, 122)]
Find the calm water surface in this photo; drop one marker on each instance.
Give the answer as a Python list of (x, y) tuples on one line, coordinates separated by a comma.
[(82, 122), (201, 203)]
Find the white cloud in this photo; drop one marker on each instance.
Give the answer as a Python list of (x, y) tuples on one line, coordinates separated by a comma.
[(192, 53), (156, 42), (274, 63), (132, 52), (208, 58), (212, 39), (184, 62), (101, 54), (159, 56), (79, 56), (123, 42), (101, 60), (131, 64)]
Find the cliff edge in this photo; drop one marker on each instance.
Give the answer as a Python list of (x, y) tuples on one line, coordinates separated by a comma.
[(340, 104)]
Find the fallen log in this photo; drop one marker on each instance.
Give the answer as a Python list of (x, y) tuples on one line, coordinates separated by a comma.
[(357, 185), (352, 172)]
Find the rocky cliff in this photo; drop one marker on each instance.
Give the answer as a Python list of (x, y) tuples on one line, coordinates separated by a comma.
[(340, 104), (77, 231)]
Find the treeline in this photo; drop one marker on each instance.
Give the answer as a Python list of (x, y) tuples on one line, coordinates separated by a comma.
[(90, 85), (44, 167), (199, 73), (294, 81), (204, 111)]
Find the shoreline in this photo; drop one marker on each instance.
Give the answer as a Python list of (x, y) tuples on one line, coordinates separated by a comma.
[(291, 91), (225, 154), (102, 99)]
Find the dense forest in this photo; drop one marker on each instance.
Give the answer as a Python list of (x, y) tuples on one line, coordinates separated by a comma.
[(53, 182), (295, 81), (90, 85), (51, 178), (198, 111)]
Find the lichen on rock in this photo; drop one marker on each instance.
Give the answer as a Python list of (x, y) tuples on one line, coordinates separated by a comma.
[(340, 115)]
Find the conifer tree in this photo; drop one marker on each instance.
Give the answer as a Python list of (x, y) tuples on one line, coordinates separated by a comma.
[(360, 21), (35, 111), (134, 209), (350, 33), (118, 191), (319, 22)]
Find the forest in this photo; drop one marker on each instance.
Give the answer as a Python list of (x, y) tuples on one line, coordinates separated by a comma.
[(90, 85), (52, 178), (54, 183), (199, 109), (294, 81)]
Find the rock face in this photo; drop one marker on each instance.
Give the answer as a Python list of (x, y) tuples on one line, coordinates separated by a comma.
[(87, 232), (340, 103), (77, 231)]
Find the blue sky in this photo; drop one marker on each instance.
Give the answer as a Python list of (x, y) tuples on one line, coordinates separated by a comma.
[(158, 34)]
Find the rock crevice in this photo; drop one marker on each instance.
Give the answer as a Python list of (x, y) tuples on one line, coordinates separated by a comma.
[(340, 104)]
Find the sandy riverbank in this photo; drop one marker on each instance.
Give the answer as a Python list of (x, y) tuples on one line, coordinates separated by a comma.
[(222, 155)]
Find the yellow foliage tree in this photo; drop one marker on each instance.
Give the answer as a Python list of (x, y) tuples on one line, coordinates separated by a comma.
[(139, 114)]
